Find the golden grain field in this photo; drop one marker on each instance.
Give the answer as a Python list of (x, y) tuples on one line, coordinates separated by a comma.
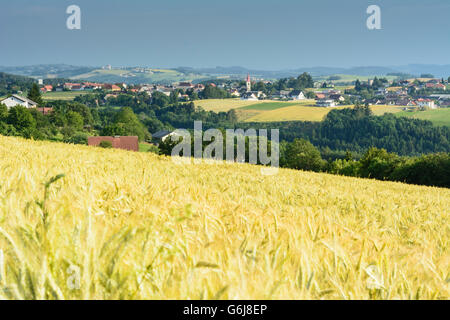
[(304, 111), (223, 105), (123, 225)]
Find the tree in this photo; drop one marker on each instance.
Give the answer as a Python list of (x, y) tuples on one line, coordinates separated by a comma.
[(310, 95), (21, 118), (126, 123), (74, 120), (3, 112), (174, 97), (116, 129), (35, 94), (302, 155), (305, 81), (358, 86), (160, 99), (81, 109), (378, 164)]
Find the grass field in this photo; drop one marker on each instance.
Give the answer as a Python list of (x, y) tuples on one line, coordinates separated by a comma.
[(440, 117), (124, 225), (146, 147), (63, 95)]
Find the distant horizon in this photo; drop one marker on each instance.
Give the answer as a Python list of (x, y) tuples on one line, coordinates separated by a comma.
[(225, 66)]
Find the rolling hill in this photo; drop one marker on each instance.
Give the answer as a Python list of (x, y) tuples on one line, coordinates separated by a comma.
[(79, 222), (136, 75)]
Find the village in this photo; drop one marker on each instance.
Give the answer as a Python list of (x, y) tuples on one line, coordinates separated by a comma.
[(394, 93)]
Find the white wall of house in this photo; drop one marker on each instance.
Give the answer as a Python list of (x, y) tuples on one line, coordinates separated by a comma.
[(13, 101), (427, 104)]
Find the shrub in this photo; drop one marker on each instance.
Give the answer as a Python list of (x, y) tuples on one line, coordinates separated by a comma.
[(430, 170), (79, 138), (302, 155), (378, 164), (349, 168), (105, 144)]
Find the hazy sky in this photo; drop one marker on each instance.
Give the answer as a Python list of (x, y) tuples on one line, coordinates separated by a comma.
[(264, 34)]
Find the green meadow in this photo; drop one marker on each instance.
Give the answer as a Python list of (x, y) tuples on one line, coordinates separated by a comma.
[(439, 117)]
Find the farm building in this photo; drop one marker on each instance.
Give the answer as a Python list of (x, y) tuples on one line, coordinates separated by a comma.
[(16, 100), (130, 143), (45, 110)]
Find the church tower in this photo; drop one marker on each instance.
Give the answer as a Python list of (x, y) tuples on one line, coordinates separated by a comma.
[(249, 83)]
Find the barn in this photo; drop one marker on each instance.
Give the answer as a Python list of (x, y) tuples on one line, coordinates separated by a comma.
[(130, 143)]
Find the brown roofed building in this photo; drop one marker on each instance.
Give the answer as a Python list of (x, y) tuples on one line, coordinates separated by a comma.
[(125, 143), (44, 110)]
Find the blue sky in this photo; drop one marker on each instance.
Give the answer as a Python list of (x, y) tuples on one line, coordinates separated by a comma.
[(263, 34)]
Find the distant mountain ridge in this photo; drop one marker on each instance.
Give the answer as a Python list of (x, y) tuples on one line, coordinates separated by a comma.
[(93, 73)]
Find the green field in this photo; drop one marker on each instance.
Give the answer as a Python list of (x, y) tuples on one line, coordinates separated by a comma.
[(351, 78), (439, 117), (63, 95), (146, 147)]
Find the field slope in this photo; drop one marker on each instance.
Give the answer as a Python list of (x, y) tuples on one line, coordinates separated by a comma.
[(440, 117), (275, 111), (123, 225)]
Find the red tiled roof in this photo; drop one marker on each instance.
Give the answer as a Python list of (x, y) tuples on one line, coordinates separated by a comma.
[(45, 110), (130, 143), (320, 96)]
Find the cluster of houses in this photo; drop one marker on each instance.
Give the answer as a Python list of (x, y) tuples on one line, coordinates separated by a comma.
[(399, 95), (168, 89), (390, 94), (83, 86)]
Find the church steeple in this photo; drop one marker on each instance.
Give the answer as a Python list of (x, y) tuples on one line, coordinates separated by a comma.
[(249, 83)]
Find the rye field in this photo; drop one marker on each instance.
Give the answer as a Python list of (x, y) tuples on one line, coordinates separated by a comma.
[(80, 222), (273, 111)]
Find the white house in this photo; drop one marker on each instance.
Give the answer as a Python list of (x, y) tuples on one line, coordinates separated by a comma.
[(249, 96), (235, 92), (16, 100), (426, 103), (297, 95)]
